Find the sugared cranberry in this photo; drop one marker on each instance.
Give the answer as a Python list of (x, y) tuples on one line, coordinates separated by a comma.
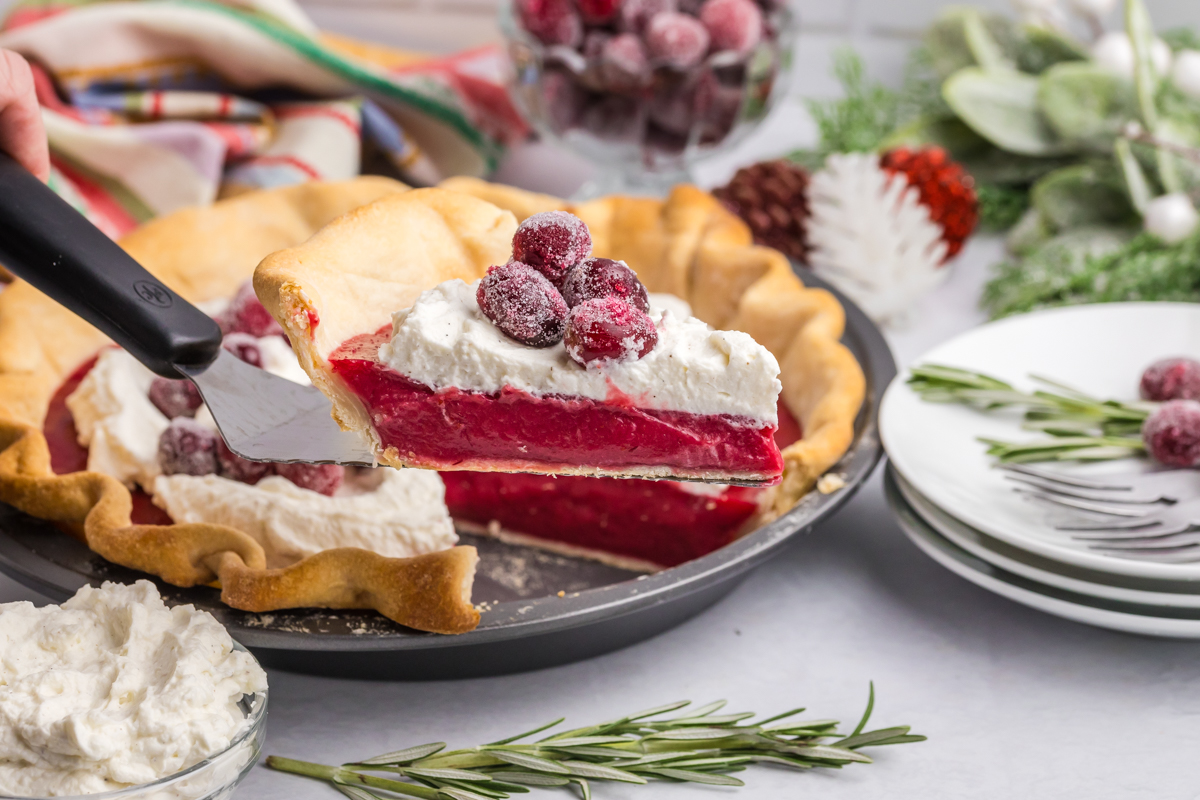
[(187, 448), (717, 106), (175, 398), (552, 242), (608, 329), (245, 314), (551, 21), (623, 65), (598, 12), (322, 478), (735, 25), (674, 106), (615, 117), (676, 40), (231, 465), (602, 277), (564, 99), (1172, 379), (1172, 433), (245, 347), (635, 15), (523, 303)]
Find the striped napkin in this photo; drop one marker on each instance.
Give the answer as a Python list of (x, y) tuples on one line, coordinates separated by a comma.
[(153, 105)]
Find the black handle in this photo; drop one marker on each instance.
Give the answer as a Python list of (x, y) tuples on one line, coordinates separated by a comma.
[(52, 246)]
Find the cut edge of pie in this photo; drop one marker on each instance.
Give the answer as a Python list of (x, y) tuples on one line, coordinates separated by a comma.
[(203, 253)]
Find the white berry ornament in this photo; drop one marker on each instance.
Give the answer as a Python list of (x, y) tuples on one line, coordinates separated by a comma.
[(1171, 217)]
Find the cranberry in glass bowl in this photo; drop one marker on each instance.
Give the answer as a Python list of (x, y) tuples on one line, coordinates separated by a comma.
[(646, 88)]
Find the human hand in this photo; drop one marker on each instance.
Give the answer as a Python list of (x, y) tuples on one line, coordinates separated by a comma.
[(21, 133)]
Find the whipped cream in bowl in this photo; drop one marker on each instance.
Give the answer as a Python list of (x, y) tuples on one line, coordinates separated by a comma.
[(114, 694)]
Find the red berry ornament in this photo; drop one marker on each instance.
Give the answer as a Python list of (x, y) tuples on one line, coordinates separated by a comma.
[(946, 190), (551, 21), (321, 478), (735, 25), (676, 40), (595, 278), (187, 448), (522, 303), (608, 329), (175, 398), (1172, 433), (552, 242), (1171, 379)]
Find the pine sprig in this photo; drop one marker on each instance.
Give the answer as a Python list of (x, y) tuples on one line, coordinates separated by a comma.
[(696, 746), (1080, 427)]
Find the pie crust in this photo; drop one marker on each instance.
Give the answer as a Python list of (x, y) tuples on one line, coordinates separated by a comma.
[(348, 279), (203, 254)]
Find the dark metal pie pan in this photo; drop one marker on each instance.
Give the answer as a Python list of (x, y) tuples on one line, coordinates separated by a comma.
[(539, 609)]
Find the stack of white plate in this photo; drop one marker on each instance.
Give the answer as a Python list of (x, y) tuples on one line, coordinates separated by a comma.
[(963, 512)]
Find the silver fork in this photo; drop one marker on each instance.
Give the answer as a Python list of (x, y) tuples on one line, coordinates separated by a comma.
[(1160, 533), (1165, 487)]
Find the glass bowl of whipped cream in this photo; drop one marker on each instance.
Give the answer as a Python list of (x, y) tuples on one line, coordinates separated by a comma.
[(116, 696)]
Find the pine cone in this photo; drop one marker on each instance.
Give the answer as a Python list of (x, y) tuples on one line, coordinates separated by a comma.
[(946, 190), (771, 197)]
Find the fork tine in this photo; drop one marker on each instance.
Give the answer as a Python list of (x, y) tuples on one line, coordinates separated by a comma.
[(1082, 505), (1068, 480), (1084, 494), (1129, 534)]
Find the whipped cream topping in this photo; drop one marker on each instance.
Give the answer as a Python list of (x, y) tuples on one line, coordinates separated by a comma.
[(395, 513), (444, 340), (114, 689)]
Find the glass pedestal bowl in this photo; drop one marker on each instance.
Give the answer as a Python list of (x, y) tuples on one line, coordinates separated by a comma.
[(644, 132)]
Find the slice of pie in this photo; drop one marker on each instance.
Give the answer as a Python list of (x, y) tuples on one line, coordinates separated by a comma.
[(552, 362)]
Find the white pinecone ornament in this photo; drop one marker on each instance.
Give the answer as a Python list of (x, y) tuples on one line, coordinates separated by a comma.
[(871, 236)]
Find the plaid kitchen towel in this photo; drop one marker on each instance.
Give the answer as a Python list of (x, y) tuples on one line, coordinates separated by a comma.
[(153, 105)]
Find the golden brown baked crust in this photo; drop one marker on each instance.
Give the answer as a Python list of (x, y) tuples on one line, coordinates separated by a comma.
[(203, 254), (690, 246)]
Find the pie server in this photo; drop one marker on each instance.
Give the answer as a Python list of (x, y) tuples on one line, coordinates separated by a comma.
[(262, 417)]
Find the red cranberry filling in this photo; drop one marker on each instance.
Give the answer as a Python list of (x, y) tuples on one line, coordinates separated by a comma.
[(608, 329), (522, 303)]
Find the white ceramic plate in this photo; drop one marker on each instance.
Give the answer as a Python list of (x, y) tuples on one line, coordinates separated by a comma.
[(1100, 349), (1177, 623), (1169, 594)]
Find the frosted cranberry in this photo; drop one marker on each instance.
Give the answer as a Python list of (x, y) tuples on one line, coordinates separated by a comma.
[(187, 448), (717, 106), (231, 465), (563, 99), (175, 398), (598, 12), (735, 25), (522, 303), (1172, 379), (608, 329), (615, 117), (551, 21), (623, 65), (321, 478), (674, 106), (245, 314), (245, 347), (1172, 433), (602, 277), (552, 242), (635, 15), (676, 40)]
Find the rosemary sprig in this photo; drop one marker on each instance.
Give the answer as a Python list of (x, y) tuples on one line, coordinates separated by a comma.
[(1080, 427), (696, 746)]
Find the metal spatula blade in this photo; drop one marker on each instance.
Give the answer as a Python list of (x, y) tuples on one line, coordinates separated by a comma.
[(263, 417)]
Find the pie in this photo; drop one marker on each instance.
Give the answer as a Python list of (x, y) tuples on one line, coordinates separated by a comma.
[(686, 246)]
